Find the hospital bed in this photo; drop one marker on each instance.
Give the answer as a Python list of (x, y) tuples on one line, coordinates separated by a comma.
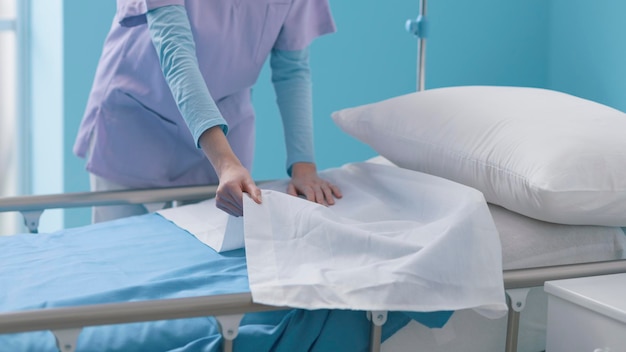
[(67, 322), (147, 268)]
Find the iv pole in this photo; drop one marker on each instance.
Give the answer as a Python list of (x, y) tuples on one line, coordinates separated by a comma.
[(419, 28)]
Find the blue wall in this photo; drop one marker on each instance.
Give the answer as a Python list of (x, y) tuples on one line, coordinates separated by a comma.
[(487, 42), (86, 24), (372, 57), (527, 43), (587, 54)]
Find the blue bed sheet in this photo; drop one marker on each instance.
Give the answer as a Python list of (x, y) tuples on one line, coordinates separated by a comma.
[(147, 257)]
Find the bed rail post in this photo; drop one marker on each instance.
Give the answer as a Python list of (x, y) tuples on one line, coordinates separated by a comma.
[(66, 339), (516, 300), (31, 219), (378, 318), (229, 328)]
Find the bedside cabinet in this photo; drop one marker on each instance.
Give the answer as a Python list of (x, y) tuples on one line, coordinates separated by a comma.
[(587, 314)]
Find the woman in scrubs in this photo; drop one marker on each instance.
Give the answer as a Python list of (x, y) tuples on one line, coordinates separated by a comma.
[(170, 103)]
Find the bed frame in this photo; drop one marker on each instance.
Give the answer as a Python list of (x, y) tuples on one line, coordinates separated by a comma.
[(66, 323)]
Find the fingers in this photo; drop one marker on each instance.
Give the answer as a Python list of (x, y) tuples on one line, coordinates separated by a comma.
[(230, 201), (229, 197), (335, 190), (329, 192), (255, 193), (317, 190), (319, 196), (291, 189), (229, 208)]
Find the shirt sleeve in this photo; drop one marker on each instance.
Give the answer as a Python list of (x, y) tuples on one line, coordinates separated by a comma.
[(306, 20), (172, 37), (291, 77), (132, 13)]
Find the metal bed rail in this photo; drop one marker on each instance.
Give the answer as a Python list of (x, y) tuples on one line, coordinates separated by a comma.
[(33, 206), (88, 199), (129, 312), (67, 323)]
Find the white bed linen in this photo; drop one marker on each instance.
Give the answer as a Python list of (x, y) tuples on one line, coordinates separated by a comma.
[(526, 243), (398, 240), (210, 225)]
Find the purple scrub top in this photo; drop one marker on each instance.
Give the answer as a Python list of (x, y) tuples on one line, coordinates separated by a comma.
[(132, 132)]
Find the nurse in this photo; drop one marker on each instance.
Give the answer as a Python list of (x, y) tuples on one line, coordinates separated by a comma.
[(171, 99)]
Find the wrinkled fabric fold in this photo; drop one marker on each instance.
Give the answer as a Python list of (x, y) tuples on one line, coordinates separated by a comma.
[(398, 240)]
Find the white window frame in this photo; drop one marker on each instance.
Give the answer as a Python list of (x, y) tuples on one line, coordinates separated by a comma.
[(23, 113), (20, 26)]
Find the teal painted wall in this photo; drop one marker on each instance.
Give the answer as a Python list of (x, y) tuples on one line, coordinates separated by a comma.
[(587, 54), (488, 42), (371, 57), (86, 24)]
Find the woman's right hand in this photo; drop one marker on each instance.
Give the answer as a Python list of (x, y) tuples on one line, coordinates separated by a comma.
[(235, 180)]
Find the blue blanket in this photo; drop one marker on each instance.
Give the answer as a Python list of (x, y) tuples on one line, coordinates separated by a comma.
[(147, 257)]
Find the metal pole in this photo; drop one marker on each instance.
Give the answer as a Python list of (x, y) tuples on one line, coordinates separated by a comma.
[(129, 312), (375, 337), (378, 318), (512, 328), (421, 52), (534, 277)]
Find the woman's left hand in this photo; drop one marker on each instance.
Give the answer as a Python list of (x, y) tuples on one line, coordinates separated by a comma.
[(306, 182)]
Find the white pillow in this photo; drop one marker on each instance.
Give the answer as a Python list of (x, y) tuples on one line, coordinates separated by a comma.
[(541, 153)]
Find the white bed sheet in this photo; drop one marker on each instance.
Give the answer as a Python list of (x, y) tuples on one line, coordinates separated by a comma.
[(526, 243), (398, 240)]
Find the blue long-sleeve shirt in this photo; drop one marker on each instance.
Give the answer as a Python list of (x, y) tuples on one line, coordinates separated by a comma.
[(172, 37)]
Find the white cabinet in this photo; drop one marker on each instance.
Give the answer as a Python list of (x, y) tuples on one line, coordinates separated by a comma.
[(587, 314)]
